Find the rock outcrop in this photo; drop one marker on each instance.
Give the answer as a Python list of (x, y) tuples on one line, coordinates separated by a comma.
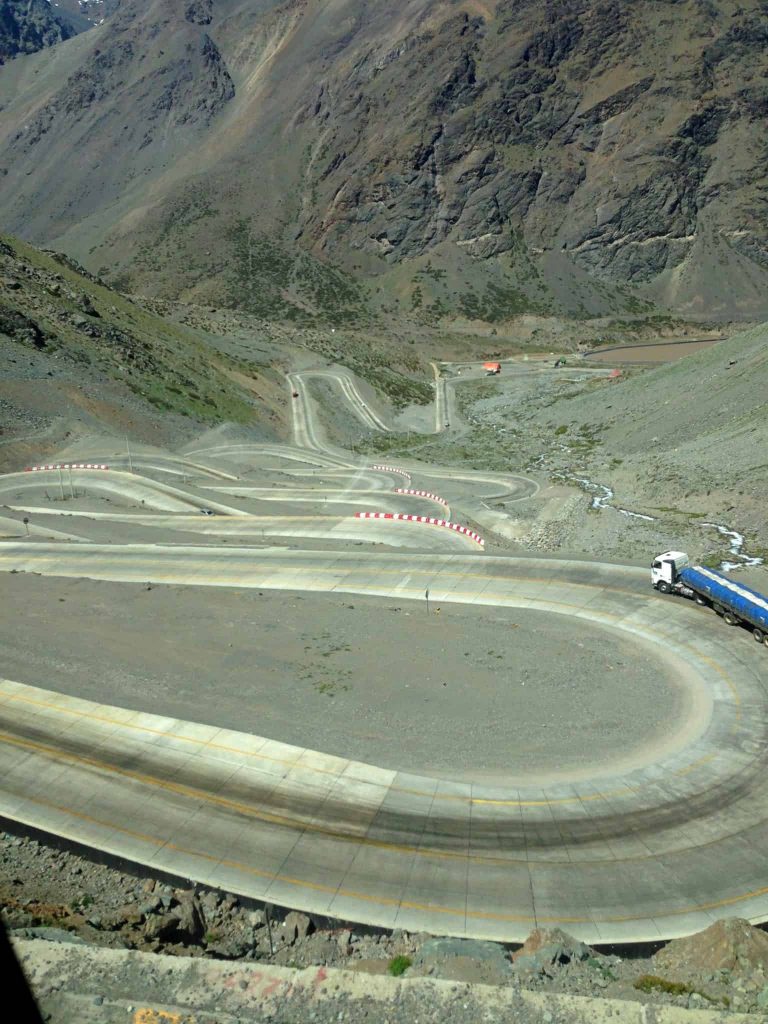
[(732, 944), (30, 25), (575, 157)]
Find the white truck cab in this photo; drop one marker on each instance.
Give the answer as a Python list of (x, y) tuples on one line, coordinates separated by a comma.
[(665, 569)]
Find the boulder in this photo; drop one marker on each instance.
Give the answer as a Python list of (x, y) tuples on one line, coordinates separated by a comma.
[(209, 901), (21, 328), (162, 927), (296, 926), (732, 944), (130, 916), (321, 950), (150, 906), (86, 305), (230, 947), (466, 960), (191, 922), (549, 947)]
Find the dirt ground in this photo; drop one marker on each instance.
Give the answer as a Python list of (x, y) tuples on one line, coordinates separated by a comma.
[(656, 352), (464, 692)]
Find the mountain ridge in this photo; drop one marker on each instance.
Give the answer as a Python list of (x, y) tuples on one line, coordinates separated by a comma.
[(579, 157)]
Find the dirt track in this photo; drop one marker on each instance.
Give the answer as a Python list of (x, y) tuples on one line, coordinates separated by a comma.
[(655, 352)]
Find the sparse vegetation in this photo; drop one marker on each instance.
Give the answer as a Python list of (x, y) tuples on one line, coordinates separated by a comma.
[(266, 279), (88, 323), (398, 965), (653, 983), (649, 983), (496, 303)]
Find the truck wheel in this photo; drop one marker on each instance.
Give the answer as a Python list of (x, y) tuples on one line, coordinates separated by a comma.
[(765, 640), (701, 601), (730, 619), (663, 587), (758, 635)]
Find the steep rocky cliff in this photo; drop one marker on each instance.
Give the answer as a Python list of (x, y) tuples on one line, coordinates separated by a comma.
[(461, 156), (626, 138)]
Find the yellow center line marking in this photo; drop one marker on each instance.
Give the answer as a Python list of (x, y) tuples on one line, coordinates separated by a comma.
[(500, 802), (483, 597), (281, 820), (248, 869)]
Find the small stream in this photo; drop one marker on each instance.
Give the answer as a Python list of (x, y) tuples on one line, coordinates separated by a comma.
[(602, 498), (736, 546)]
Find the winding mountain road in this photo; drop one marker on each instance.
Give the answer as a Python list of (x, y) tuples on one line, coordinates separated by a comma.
[(660, 842)]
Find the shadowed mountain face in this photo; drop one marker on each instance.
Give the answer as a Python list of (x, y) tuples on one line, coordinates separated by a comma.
[(476, 158), (30, 25)]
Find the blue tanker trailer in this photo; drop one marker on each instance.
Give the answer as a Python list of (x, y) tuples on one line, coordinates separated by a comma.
[(672, 573)]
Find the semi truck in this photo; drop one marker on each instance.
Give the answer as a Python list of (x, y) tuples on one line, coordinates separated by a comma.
[(672, 573)]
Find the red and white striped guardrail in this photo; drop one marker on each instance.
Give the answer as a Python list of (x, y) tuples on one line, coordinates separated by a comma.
[(422, 494), (393, 469), (66, 465), (423, 519)]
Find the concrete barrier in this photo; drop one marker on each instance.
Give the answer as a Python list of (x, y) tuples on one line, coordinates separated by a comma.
[(91, 985), (393, 469), (422, 494), (66, 465), (424, 519)]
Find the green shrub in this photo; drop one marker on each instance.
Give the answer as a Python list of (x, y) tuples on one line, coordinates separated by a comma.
[(653, 983), (399, 965)]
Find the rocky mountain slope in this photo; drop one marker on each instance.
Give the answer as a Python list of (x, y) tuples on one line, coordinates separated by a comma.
[(30, 25), (680, 448), (88, 12), (77, 358), (684, 443), (470, 158)]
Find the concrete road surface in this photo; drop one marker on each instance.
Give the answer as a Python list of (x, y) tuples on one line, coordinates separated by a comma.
[(659, 840), (635, 855)]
